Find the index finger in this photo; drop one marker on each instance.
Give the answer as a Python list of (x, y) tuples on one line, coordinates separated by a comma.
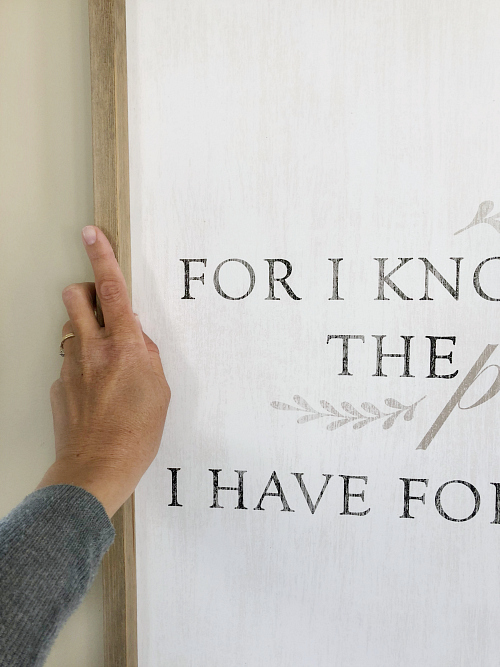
[(110, 284)]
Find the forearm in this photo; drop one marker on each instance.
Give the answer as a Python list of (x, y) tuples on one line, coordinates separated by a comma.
[(51, 546)]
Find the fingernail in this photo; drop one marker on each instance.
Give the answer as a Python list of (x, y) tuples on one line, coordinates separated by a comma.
[(89, 235), (138, 319)]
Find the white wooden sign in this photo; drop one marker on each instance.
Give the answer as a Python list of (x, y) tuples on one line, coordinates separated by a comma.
[(315, 201)]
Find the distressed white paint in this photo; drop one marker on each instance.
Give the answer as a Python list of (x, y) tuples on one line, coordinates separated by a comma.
[(309, 129)]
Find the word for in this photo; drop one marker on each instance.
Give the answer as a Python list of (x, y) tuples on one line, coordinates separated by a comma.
[(350, 496), (385, 279)]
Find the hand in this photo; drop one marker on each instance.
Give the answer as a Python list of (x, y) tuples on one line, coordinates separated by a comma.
[(110, 402)]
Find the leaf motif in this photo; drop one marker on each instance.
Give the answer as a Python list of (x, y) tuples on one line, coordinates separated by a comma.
[(360, 420), (330, 408), (363, 422), (283, 406), (351, 410), (494, 222), (484, 209), (334, 425), (392, 403), (369, 407), (409, 414), (308, 418), (303, 403), (390, 421)]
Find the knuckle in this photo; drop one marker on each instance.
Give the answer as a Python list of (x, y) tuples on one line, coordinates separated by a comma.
[(87, 353), (55, 389), (111, 290), (69, 291), (104, 252), (121, 346), (153, 347)]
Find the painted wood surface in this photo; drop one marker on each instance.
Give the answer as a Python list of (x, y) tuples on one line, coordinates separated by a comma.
[(329, 142), (112, 215)]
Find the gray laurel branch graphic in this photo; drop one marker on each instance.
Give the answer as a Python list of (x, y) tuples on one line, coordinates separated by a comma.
[(352, 415), (483, 211)]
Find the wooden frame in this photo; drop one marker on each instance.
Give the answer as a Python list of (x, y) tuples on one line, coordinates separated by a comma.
[(108, 60)]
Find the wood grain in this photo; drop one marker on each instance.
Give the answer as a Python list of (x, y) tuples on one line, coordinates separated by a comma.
[(112, 214)]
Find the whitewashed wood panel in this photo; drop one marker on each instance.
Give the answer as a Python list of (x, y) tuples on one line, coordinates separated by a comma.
[(309, 131)]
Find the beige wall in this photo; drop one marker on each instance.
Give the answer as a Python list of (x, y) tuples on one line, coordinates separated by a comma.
[(45, 198)]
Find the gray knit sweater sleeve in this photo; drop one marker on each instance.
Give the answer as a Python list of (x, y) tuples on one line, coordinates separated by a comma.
[(51, 546)]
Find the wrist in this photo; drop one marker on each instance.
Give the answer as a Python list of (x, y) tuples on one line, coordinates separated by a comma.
[(109, 493)]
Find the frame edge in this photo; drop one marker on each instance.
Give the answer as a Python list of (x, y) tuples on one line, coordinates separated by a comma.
[(108, 75)]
